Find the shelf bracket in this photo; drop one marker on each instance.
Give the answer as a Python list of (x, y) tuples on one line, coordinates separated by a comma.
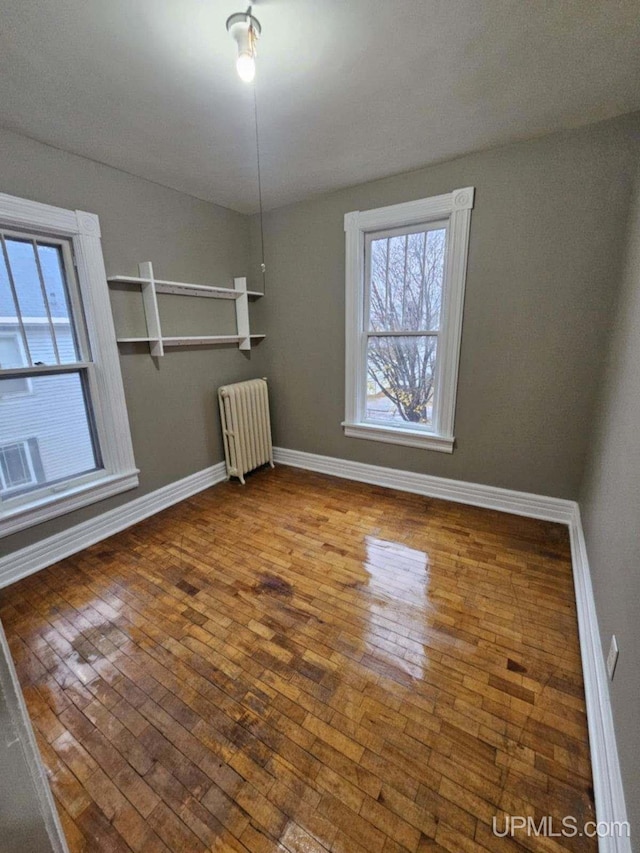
[(151, 312), (242, 313)]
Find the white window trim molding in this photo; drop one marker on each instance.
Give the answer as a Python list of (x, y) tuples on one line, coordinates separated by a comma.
[(454, 208), (119, 471)]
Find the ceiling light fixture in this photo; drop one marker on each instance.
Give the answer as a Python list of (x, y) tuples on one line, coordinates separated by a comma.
[(245, 29)]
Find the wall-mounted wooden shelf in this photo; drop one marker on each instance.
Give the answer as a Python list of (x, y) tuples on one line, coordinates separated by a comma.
[(150, 287), (183, 288), (205, 340)]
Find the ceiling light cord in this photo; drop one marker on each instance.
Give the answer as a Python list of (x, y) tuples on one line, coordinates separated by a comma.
[(262, 264), (245, 29)]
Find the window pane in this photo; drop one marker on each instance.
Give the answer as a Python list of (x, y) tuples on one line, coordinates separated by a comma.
[(14, 386), (14, 464), (12, 355), (11, 349), (400, 380), (22, 260), (46, 316), (406, 276), (7, 305), (52, 425), (56, 289)]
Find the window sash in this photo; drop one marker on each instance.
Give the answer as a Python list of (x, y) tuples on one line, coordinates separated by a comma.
[(421, 333), (388, 233), (43, 369), (402, 424), (86, 372), (71, 290)]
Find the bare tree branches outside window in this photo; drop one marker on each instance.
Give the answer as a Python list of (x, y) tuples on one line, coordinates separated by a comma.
[(405, 295)]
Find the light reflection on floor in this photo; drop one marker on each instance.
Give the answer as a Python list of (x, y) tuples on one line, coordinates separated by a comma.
[(398, 582)]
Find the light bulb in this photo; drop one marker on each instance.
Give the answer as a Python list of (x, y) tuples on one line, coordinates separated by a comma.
[(245, 31), (246, 67)]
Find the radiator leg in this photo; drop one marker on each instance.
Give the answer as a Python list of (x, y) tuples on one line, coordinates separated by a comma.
[(241, 478)]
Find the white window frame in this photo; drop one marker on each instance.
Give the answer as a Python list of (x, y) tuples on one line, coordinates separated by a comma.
[(453, 210), (118, 471)]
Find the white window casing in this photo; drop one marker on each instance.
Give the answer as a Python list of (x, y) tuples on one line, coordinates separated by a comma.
[(453, 211), (117, 471)]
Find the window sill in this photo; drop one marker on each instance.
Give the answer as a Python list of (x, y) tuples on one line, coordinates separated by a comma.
[(42, 509), (393, 435)]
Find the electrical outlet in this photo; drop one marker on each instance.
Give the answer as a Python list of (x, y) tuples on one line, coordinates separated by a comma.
[(612, 657)]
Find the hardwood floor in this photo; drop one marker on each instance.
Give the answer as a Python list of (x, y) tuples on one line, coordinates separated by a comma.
[(308, 664)]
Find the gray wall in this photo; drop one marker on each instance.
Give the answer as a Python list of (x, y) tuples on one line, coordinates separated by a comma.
[(172, 404), (610, 503), (29, 819), (543, 266)]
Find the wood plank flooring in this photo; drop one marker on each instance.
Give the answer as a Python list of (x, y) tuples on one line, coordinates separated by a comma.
[(308, 664)]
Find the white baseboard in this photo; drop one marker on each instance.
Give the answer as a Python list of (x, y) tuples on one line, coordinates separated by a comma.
[(607, 779), (489, 497), (34, 557), (608, 790)]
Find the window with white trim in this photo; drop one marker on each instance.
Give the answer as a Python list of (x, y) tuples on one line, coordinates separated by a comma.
[(405, 278), (60, 380)]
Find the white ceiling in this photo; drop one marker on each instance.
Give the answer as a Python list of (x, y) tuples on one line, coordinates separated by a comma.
[(348, 90)]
